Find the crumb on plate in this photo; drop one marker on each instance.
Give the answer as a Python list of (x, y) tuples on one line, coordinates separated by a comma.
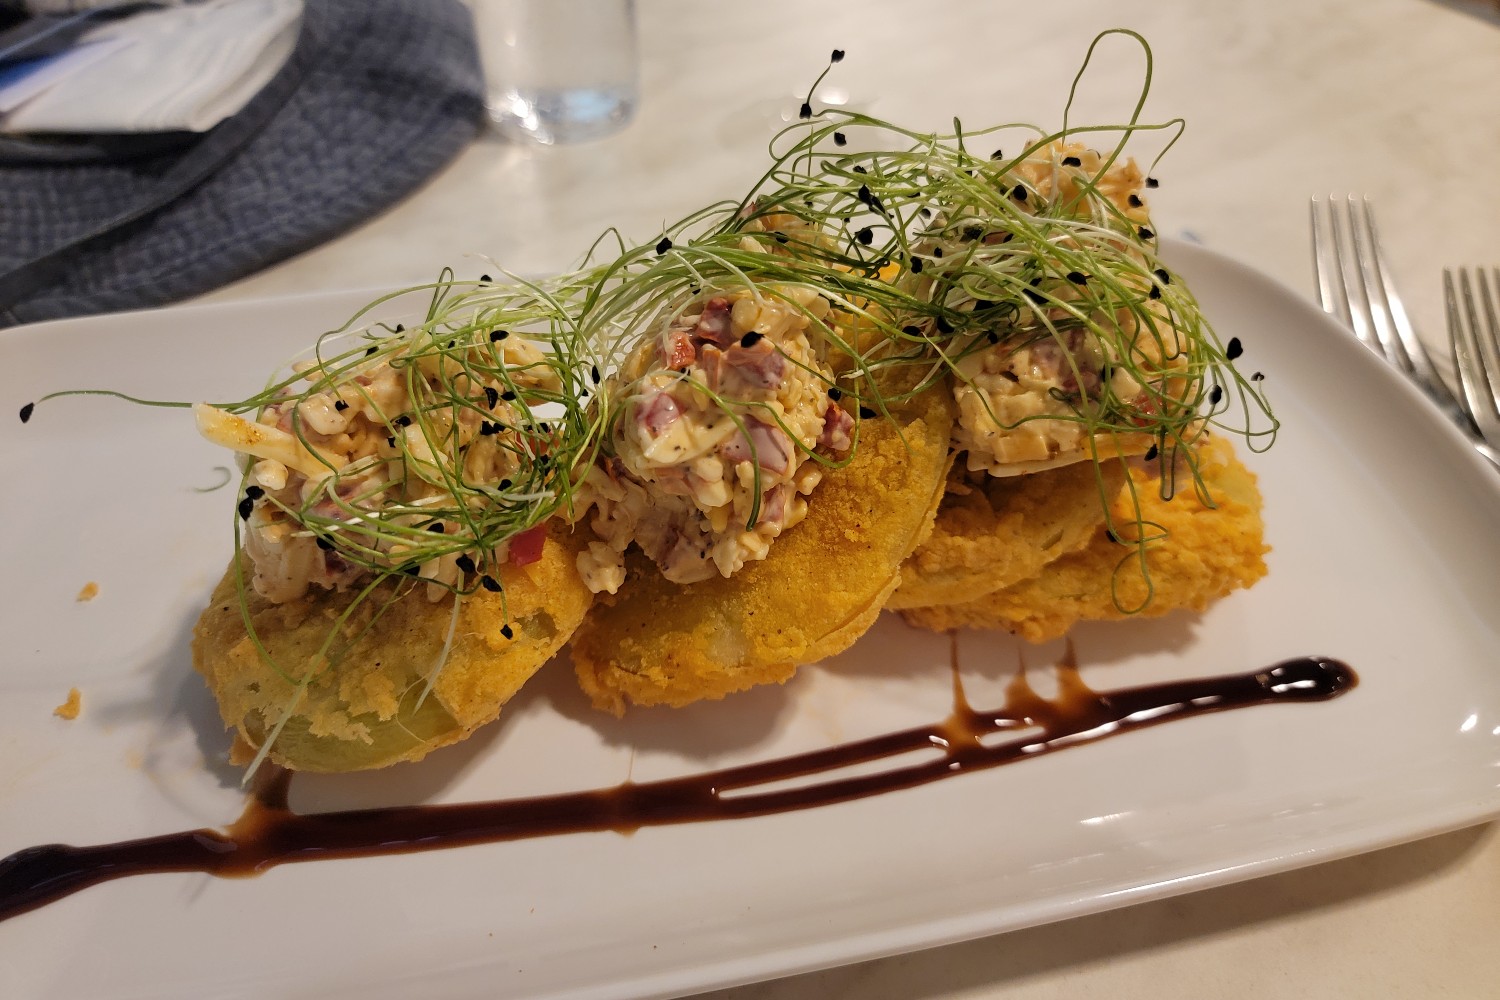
[(69, 709), (88, 593)]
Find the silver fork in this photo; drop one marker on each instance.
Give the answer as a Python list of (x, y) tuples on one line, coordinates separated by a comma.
[(1476, 351), (1355, 287)]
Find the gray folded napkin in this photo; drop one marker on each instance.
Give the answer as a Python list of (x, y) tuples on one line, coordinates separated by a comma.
[(377, 96)]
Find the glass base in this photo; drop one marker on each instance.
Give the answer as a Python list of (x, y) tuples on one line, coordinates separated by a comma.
[(559, 116)]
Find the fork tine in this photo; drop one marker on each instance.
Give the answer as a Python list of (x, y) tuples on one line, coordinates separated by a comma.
[(1478, 370), (1401, 341), (1325, 264), (1489, 338), (1371, 271), (1348, 247)]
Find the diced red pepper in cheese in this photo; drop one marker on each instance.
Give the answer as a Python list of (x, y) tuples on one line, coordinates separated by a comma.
[(526, 547)]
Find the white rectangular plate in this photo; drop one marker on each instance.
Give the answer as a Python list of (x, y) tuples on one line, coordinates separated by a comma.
[(1386, 535)]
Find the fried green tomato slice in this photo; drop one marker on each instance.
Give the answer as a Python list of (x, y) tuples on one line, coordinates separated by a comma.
[(1208, 551), (364, 708), (819, 589), (992, 532)]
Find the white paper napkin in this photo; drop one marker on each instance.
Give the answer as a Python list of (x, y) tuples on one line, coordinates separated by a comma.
[(186, 67)]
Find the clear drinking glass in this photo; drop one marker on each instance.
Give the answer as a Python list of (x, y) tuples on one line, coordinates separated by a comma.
[(558, 70)]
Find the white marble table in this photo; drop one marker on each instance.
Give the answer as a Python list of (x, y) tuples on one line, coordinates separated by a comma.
[(1283, 99)]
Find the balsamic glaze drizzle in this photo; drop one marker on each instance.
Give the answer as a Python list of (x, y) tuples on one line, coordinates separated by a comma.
[(269, 833)]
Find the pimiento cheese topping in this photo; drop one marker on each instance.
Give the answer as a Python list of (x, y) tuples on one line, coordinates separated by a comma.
[(709, 459), (1020, 398), (326, 460)]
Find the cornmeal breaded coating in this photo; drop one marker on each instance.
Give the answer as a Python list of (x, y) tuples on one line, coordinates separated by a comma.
[(993, 532), (821, 586), (362, 709), (1208, 552)]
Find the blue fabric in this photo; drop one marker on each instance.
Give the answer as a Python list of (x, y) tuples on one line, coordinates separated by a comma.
[(378, 95)]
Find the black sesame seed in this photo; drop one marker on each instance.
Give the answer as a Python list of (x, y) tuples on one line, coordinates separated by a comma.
[(860, 170), (937, 252), (499, 335), (865, 236), (943, 325), (1078, 277), (663, 246), (485, 278), (1155, 292), (839, 139), (751, 339), (436, 527), (973, 233), (508, 395), (465, 563), (835, 393), (912, 331), (505, 484), (254, 492), (1162, 276), (490, 583), (340, 405), (245, 507), (916, 265), (1035, 296), (1152, 182), (1145, 233), (594, 374), (403, 421), (998, 154), (863, 194), (782, 238), (805, 111), (865, 413), (1234, 348), (1151, 453), (992, 337), (369, 351), (26, 412), (1134, 201), (491, 396), (1072, 161), (838, 56), (1216, 394), (486, 428), (1019, 192), (400, 328), (323, 543), (1258, 377), (451, 344), (507, 631)]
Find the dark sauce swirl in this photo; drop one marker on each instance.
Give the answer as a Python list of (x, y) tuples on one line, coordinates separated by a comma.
[(270, 834)]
